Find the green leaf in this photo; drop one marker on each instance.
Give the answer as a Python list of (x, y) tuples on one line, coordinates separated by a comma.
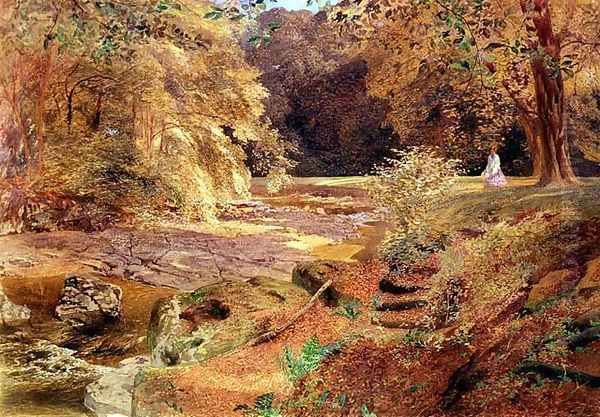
[(273, 26), (255, 40), (161, 6), (214, 15), (464, 64), (364, 410), (264, 402), (322, 399), (465, 44)]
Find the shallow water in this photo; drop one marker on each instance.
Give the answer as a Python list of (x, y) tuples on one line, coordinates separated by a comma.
[(361, 248), (41, 296), (43, 407)]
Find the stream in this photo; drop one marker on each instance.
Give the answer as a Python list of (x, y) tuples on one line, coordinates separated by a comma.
[(265, 237)]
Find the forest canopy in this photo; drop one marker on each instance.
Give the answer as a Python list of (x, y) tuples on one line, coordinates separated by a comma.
[(128, 104), (530, 54)]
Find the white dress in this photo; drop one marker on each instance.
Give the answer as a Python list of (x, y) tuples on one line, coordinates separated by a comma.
[(494, 177)]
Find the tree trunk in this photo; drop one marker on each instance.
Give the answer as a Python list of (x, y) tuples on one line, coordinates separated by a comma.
[(95, 120), (554, 163), (40, 107), (532, 129), (9, 147)]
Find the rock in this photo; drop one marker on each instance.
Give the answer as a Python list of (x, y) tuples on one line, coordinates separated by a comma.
[(12, 315), (312, 275), (37, 366), (164, 330), (551, 286), (193, 327), (587, 319), (584, 338), (89, 302), (591, 280), (112, 394)]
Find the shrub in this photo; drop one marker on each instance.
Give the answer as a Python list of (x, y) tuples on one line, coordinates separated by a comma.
[(106, 168), (407, 188), (416, 338), (489, 271), (349, 310), (22, 208), (278, 180), (144, 128)]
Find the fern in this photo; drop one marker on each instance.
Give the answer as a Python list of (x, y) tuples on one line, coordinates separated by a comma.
[(308, 360), (350, 310), (364, 411), (263, 407)]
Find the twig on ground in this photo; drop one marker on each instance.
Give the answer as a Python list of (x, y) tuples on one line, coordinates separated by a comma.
[(270, 335)]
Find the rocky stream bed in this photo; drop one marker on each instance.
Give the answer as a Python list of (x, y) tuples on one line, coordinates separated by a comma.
[(84, 313)]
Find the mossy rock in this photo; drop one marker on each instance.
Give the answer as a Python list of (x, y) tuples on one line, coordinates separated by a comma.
[(193, 327), (34, 367)]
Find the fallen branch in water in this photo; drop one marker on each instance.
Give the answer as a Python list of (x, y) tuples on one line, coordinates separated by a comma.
[(265, 337)]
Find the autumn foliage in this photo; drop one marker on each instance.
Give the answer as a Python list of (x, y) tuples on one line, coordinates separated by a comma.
[(532, 52), (134, 106), (319, 100)]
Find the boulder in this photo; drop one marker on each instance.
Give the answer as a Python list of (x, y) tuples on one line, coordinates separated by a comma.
[(591, 280), (551, 286), (89, 302), (112, 394), (33, 366), (193, 327), (12, 315), (312, 275)]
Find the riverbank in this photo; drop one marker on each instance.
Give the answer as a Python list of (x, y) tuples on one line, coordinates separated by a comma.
[(266, 236), (480, 328), (375, 318)]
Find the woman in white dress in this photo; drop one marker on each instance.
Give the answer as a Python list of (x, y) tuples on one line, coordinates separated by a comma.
[(494, 177)]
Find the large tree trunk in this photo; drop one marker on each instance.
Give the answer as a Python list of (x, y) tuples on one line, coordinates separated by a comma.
[(554, 163), (532, 129)]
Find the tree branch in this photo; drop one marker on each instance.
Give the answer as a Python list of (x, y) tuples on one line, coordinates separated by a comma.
[(268, 336)]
